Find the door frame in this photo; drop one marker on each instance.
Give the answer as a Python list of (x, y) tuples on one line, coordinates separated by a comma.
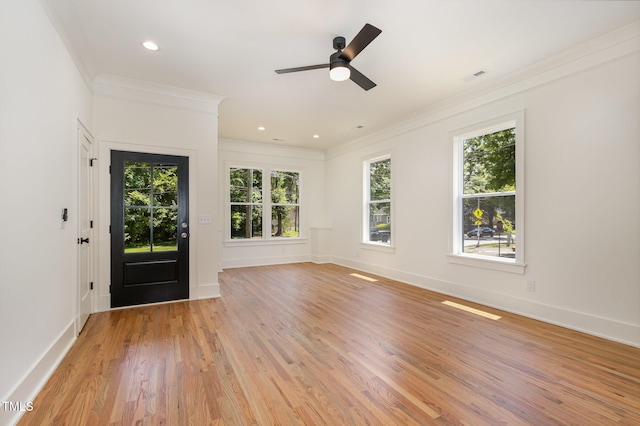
[(82, 316), (103, 259), (152, 276)]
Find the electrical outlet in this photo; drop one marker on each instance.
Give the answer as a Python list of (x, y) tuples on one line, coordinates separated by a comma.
[(531, 285)]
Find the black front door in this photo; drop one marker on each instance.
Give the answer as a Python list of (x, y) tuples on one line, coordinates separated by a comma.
[(149, 228)]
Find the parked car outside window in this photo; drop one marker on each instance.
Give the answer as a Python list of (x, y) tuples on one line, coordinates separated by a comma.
[(484, 232), (376, 234)]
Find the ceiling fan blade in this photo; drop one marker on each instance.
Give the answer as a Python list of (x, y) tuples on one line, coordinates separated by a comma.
[(366, 35), (307, 68), (358, 78)]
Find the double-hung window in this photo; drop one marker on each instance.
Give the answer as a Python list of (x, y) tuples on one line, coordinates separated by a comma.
[(245, 199), (256, 216), (488, 178), (285, 204), (377, 196)]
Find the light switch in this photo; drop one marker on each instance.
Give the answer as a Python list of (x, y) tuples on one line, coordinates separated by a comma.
[(204, 219)]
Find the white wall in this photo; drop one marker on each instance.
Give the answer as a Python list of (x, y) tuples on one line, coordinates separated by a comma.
[(582, 172), (582, 197), (132, 115), (312, 244), (42, 96)]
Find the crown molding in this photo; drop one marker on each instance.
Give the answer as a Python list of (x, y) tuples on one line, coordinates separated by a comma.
[(51, 9), (613, 46), (264, 149), (114, 86)]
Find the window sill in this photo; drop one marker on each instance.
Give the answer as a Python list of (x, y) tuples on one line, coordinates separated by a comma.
[(496, 264), (261, 242), (378, 247)]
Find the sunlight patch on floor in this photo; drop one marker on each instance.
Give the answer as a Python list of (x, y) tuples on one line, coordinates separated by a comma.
[(364, 277), (472, 310)]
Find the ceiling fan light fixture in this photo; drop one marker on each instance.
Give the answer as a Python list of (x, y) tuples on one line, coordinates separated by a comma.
[(339, 62), (339, 72), (150, 45)]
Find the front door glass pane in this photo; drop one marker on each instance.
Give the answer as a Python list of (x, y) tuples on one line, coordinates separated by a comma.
[(151, 207), (165, 226), (165, 185), (137, 235)]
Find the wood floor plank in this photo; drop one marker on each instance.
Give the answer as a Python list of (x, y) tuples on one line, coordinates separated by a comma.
[(307, 344)]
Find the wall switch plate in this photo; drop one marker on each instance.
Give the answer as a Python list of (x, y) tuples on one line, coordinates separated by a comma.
[(204, 219), (531, 285)]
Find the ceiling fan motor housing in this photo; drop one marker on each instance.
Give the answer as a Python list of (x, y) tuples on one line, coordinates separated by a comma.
[(339, 43), (335, 60)]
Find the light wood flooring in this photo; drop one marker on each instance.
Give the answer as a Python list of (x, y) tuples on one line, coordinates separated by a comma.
[(308, 344)]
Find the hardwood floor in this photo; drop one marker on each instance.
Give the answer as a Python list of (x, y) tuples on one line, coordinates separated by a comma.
[(311, 344)]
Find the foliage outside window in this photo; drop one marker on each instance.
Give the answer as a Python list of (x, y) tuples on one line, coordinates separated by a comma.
[(378, 201), (150, 207), (245, 196), (488, 194), (285, 207), (249, 207)]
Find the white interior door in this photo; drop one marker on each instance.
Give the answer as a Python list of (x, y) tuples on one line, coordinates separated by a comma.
[(85, 228)]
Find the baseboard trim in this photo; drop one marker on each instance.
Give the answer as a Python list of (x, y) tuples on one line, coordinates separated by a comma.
[(103, 303), (263, 261), (205, 291), (320, 259), (32, 383)]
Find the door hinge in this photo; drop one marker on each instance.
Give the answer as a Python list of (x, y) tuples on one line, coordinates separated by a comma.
[(109, 228), (91, 285), (109, 169), (91, 224), (91, 160)]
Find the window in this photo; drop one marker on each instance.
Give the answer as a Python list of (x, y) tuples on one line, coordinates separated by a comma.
[(377, 211), (285, 209), (248, 206), (488, 209), (245, 196)]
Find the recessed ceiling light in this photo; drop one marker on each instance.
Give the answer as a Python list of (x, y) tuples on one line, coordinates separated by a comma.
[(261, 128), (149, 45), (316, 136)]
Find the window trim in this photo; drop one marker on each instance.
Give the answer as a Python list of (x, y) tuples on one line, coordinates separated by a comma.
[(456, 254), (266, 204), (366, 194)]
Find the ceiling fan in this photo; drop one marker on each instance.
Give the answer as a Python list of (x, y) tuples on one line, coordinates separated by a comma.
[(339, 67)]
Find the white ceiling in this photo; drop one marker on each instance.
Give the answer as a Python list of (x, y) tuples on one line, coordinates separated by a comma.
[(425, 55)]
